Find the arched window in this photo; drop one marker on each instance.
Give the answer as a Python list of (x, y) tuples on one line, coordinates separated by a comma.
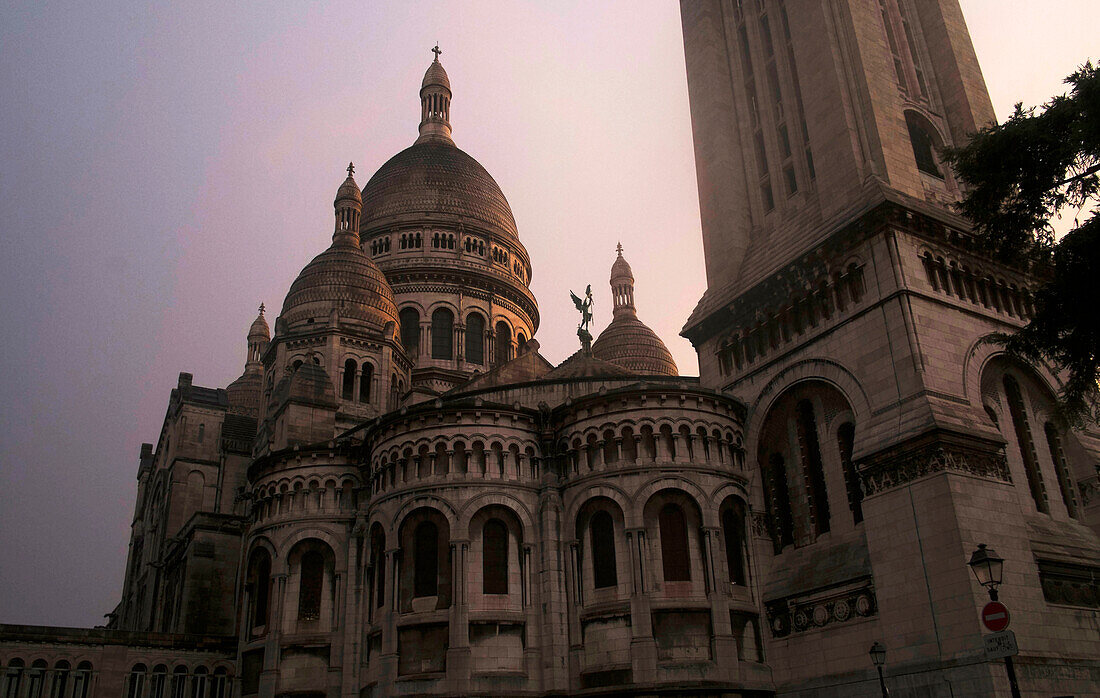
[(845, 441), (733, 531), (61, 681), (350, 369), (494, 557), (36, 677), (503, 342), (217, 683), (674, 544), (410, 329), (260, 582), (475, 339), (1061, 468), (156, 682), (426, 563), (1026, 443), (923, 146), (378, 564), (179, 682), (198, 683), (443, 337), (82, 679), (521, 341), (602, 533), (13, 677), (310, 585), (365, 381), (812, 467), (777, 500), (137, 681)]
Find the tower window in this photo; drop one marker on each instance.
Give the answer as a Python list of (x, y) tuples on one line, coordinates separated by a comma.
[(923, 146), (442, 334), (475, 339), (310, 585), (410, 329), (813, 469), (350, 369), (494, 562), (845, 439), (365, 382), (674, 544), (1026, 444), (733, 531), (426, 562), (602, 533)]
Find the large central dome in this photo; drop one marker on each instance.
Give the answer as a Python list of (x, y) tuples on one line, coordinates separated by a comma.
[(434, 180)]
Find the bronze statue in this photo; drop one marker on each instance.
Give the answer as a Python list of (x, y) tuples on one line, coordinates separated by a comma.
[(585, 307)]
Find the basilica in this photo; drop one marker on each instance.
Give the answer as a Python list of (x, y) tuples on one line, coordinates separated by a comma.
[(401, 496)]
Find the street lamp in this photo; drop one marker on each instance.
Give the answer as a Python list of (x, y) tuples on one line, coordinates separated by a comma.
[(987, 566), (878, 657)]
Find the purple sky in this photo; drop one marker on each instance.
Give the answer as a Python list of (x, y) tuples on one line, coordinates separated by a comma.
[(167, 167)]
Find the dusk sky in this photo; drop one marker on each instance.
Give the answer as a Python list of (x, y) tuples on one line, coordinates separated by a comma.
[(166, 167)]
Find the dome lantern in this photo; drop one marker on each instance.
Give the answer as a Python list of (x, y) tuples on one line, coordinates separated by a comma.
[(628, 342), (622, 285), (259, 334), (435, 102)]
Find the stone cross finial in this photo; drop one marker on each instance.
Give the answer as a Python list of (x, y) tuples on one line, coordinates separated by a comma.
[(261, 308), (351, 168), (619, 248), (436, 51)]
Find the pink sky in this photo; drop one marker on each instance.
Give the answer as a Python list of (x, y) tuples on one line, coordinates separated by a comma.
[(168, 167)]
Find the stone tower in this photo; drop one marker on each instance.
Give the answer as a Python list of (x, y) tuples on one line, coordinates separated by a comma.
[(847, 307), (436, 222)]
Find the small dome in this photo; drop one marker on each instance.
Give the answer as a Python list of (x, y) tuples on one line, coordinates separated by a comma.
[(435, 75), (620, 270), (259, 328), (628, 342), (245, 392), (435, 181), (349, 190), (342, 278), (309, 384)]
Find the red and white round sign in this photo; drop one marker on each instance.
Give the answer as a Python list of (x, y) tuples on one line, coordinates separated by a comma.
[(995, 616)]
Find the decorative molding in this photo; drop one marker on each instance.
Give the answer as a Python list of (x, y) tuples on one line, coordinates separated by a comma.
[(1070, 584), (801, 614), (1089, 487), (759, 523), (895, 467)]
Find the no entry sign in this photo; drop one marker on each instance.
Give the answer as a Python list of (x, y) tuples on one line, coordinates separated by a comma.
[(995, 616)]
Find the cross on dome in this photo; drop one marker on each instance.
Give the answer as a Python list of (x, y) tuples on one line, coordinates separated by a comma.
[(436, 51), (261, 308), (351, 168), (619, 248)]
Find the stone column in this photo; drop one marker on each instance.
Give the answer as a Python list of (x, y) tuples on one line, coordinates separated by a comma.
[(458, 650), (643, 647), (270, 674)]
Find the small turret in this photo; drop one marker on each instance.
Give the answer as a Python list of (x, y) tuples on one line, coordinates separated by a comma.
[(622, 285), (349, 207)]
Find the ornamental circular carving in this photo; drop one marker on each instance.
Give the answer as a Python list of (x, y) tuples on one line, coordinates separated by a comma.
[(801, 620), (821, 616), (842, 611), (863, 605)]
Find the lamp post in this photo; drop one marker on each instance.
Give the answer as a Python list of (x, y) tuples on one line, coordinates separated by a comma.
[(988, 566), (878, 657)]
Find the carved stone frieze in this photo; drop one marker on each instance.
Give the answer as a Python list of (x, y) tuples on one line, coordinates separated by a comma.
[(1089, 488), (760, 525), (898, 467), (798, 614)]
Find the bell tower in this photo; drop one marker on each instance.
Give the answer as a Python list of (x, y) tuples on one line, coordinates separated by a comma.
[(848, 308)]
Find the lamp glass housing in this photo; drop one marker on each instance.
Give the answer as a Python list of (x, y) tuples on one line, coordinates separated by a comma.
[(878, 653), (987, 566)]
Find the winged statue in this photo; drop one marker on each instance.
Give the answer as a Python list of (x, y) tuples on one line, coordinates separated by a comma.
[(585, 308)]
